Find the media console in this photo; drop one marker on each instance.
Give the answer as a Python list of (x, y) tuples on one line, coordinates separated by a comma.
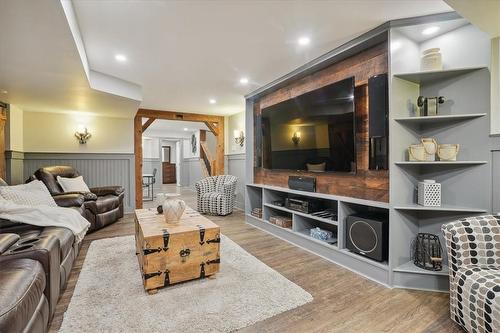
[(265, 196)]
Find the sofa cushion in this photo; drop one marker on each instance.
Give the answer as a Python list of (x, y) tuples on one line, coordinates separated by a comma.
[(478, 296), (31, 194), (48, 176), (22, 283), (73, 184)]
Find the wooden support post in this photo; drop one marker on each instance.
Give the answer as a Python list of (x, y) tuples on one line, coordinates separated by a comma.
[(138, 160), (219, 158)]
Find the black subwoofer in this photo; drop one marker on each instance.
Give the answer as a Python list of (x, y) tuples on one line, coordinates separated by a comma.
[(368, 235)]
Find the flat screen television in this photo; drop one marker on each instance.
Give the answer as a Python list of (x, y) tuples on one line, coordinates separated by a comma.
[(312, 132)]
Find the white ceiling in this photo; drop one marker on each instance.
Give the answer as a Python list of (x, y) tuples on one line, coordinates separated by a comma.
[(185, 52), (182, 52), (414, 32), (39, 64)]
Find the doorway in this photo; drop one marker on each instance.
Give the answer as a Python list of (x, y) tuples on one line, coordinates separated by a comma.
[(214, 165)]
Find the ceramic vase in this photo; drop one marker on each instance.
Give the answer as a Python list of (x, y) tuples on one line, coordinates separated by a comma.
[(173, 208), (432, 60)]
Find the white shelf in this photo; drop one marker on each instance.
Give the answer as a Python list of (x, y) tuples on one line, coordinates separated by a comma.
[(409, 267), (305, 234), (439, 119), (309, 216), (443, 208), (363, 202), (432, 76), (442, 163)]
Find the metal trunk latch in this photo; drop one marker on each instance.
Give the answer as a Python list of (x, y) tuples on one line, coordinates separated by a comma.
[(184, 253)]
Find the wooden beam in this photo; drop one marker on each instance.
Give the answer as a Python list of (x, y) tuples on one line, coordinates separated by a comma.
[(213, 128), (171, 115), (147, 124), (138, 160)]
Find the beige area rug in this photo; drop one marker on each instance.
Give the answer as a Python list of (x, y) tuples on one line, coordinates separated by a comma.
[(109, 296)]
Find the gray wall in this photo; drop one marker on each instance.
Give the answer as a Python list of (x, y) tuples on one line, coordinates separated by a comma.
[(14, 167), (235, 165), (495, 169), (191, 171), (97, 169)]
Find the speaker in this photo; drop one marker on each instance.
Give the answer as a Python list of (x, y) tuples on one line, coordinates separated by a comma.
[(378, 125), (302, 183), (368, 235)]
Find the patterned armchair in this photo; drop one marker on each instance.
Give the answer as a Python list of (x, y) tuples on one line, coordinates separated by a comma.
[(473, 246), (216, 194)]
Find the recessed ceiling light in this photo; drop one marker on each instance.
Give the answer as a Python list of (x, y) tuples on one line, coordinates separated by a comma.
[(396, 45), (244, 80), (303, 41), (120, 57), (212, 101), (185, 128), (4, 91), (430, 30)]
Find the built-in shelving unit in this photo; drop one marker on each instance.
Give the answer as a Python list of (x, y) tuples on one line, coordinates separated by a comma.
[(265, 196), (464, 119), (459, 121)]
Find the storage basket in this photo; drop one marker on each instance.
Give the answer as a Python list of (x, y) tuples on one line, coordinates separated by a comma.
[(448, 152)]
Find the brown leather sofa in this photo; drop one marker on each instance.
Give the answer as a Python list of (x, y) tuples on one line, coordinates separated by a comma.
[(35, 264), (23, 304), (53, 251), (102, 205)]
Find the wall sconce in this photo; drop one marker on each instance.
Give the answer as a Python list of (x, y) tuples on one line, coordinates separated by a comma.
[(239, 137), (296, 138), (82, 134)]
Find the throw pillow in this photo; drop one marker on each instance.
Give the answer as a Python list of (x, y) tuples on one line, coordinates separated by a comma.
[(320, 167), (73, 184), (34, 193)]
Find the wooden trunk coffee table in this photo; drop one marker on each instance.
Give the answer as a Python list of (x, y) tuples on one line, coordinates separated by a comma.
[(170, 253)]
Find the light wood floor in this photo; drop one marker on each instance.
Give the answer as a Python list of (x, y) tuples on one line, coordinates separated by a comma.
[(343, 301)]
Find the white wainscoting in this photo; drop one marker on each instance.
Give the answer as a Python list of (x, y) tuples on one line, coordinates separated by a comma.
[(97, 169)]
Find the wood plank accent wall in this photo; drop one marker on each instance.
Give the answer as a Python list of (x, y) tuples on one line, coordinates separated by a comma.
[(365, 184)]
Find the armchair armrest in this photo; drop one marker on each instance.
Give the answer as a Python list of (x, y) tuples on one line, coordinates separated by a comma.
[(477, 236), (69, 199), (106, 190)]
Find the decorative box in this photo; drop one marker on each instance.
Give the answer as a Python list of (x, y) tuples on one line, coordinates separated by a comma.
[(320, 234), (429, 193), (281, 221), (257, 212)]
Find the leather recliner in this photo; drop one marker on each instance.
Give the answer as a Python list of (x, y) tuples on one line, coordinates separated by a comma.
[(102, 205), (23, 304)]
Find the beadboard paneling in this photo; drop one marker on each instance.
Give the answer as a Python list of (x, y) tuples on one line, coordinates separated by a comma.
[(236, 166), (97, 169)]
